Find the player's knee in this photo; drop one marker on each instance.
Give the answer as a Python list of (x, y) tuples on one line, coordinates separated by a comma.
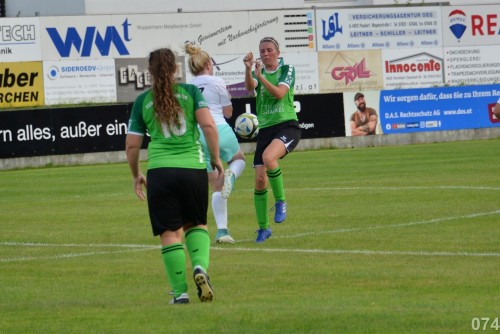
[(260, 182)]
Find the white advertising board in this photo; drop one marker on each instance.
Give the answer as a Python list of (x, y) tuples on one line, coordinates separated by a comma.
[(378, 28), (79, 81), (472, 65), (471, 25), (412, 68), (134, 36), (20, 39), (226, 33), (306, 71)]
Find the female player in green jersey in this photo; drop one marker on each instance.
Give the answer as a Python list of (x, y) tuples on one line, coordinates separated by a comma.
[(279, 131), (177, 182)]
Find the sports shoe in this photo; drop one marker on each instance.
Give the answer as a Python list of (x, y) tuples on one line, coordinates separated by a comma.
[(263, 234), (228, 183), (279, 212), (182, 299), (205, 291), (223, 237)]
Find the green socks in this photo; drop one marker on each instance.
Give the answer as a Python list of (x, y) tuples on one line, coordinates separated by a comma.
[(276, 182), (174, 260), (260, 199), (198, 246)]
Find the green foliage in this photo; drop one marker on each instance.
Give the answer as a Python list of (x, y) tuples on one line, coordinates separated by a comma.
[(377, 240)]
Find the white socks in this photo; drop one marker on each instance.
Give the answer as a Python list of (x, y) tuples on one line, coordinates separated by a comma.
[(219, 207)]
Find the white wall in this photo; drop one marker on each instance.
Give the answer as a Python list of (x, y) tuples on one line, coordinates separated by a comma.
[(169, 6), (29, 8)]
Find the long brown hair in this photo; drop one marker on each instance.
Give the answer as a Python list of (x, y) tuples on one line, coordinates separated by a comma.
[(162, 67)]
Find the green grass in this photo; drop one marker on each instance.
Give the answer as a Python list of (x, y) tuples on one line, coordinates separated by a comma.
[(377, 240)]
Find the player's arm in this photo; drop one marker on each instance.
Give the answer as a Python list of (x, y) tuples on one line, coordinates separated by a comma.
[(250, 82), (133, 145), (207, 125), (278, 91), (227, 111), (225, 101)]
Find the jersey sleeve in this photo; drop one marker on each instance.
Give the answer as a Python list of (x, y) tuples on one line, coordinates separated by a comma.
[(136, 124), (287, 76), (199, 100), (225, 97)]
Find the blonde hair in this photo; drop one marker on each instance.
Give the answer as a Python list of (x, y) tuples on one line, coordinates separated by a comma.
[(162, 67), (198, 59)]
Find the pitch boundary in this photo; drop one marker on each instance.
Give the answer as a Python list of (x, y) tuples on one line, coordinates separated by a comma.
[(138, 247)]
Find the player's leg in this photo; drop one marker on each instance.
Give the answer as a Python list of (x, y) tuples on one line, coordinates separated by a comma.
[(230, 152), (166, 221), (273, 152), (234, 171), (219, 209), (194, 205), (261, 198), (285, 140), (174, 261)]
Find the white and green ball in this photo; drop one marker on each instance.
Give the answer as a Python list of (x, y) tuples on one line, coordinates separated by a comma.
[(246, 126)]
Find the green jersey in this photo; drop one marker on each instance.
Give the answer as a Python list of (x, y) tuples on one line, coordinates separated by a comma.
[(270, 110), (178, 147)]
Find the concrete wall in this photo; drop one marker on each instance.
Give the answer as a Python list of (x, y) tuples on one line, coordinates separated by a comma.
[(30, 8), (306, 144)]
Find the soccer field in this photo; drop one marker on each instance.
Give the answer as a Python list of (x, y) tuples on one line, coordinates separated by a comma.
[(402, 239)]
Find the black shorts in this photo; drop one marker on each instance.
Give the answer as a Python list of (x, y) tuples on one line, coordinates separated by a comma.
[(288, 132), (177, 196)]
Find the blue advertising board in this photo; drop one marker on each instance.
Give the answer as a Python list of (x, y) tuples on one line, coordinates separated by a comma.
[(438, 109)]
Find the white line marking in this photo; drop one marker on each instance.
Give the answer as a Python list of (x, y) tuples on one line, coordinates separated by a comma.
[(424, 222), (356, 251), (403, 188), (40, 244), (65, 256), (130, 194), (136, 247)]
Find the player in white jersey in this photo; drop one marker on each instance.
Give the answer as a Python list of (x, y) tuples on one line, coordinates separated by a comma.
[(219, 101)]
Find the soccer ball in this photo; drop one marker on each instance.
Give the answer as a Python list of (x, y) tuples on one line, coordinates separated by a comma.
[(246, 126)]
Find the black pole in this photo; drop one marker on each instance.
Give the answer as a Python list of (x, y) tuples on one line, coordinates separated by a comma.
[(2, 8)]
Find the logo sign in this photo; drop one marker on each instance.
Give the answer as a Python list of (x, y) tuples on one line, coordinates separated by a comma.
[(411, 70), (331, 27), (458, 23), (349, 70), (90, 40), (351, 73), (20, 40)]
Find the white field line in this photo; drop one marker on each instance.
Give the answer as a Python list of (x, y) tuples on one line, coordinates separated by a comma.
[(130, 194), (134, 247), (355, 251), (69, 255), (379, 227), (481, 188)]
